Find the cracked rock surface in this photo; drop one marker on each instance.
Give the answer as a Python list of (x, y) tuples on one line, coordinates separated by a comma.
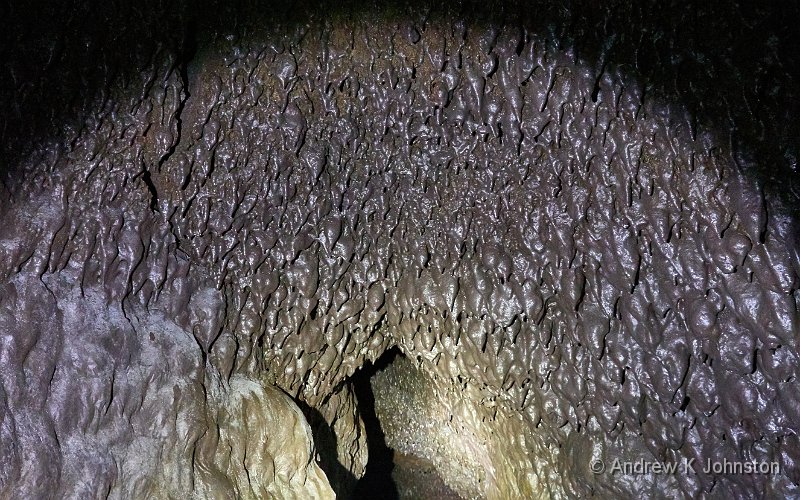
[(577, 223)]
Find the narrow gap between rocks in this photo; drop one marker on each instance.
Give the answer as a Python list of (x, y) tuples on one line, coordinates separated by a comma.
[(377, 481), (380, 388)]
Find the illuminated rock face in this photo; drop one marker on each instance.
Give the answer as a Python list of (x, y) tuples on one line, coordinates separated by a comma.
[(579, 256)]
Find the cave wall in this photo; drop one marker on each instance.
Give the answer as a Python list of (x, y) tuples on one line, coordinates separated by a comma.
[(563, 212), (481, 448)]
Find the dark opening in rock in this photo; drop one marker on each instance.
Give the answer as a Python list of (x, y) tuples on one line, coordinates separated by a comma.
[(384, 389), (377, 481)]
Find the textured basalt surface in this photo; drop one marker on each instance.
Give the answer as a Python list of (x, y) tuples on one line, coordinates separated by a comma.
[(577, 223)]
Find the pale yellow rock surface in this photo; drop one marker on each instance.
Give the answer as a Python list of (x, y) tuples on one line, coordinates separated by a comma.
[(264, 448), (477, 446)]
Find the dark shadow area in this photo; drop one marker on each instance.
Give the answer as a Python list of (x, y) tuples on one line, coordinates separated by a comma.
[(378, 482), (340, 478), (732, 65)]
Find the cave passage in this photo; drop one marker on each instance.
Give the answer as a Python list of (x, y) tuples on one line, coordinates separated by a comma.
[(384, 389), (576, 221), (377, 481)]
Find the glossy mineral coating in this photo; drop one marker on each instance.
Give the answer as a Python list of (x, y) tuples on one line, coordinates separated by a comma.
[(577, 223)]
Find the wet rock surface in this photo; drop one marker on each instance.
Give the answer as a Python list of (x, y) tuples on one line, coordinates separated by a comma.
[(577, 223), (420, 480), (440, 430)]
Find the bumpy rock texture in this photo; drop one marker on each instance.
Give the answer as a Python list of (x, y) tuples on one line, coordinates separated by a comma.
[(438, 422), (578, 223)]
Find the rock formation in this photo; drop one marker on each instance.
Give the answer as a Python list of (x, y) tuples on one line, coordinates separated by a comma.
[(575, 226)]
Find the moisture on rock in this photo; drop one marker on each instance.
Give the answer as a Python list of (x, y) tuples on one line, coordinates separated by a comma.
[(579, 225)]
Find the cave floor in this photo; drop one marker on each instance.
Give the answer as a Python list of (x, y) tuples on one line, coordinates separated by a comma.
[(416, 478), (405, 477)]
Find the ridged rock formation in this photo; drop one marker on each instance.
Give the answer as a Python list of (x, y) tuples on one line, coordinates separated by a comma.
[(577, 225)]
